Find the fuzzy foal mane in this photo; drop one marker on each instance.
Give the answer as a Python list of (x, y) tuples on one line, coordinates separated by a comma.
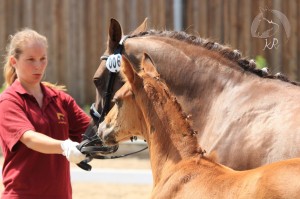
[(227, 52), (183, 116), (173, 98)]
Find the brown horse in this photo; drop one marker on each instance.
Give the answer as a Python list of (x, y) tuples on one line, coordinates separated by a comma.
[(144, 107), (248, 117)]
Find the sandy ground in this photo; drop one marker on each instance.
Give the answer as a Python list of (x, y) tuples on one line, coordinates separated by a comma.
[(92, 190), (110, 191), (114, 191)]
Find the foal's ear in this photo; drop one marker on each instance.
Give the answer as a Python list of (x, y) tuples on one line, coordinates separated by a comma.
[(141, 28), (148, 66), (127, 70), (114, 34)]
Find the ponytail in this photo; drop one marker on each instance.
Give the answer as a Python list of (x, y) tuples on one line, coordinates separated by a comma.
[(9, 74)]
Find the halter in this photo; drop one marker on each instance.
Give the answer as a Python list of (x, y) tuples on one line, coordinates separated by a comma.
[(97, 117), (93, 145)]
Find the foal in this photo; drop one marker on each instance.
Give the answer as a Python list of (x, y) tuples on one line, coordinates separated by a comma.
[(144, 107)]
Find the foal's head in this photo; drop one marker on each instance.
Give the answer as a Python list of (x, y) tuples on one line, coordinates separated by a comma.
[(126, 118)]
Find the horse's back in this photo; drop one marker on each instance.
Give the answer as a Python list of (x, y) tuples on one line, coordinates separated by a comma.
[(280, 179), (254, 125)]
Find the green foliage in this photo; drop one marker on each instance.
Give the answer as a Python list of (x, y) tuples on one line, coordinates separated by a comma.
[(261, 62), (2, 88), (86, 109)]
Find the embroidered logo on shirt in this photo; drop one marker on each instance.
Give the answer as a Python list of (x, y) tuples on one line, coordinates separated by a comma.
[(61, 118)]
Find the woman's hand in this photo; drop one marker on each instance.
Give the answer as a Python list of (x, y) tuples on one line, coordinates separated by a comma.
[(71, 152)]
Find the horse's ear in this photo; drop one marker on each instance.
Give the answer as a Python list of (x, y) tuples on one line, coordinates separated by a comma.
[(114, 35), (141, 28), (148, 66), (127, 70)]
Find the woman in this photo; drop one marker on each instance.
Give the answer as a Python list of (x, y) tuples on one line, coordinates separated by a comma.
[(37, 123)]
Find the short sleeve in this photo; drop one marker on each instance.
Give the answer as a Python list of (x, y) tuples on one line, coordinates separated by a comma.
[(13, 122), (78, 119)]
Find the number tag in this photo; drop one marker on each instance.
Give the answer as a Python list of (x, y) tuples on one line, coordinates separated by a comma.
[(113, 63)]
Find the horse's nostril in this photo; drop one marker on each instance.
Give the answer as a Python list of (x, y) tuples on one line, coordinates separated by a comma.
[(103, 127)]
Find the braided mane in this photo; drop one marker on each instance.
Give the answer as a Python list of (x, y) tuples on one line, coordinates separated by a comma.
[(226, 51)]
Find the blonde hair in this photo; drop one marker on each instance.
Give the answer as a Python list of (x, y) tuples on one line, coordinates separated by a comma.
[(15, 48)]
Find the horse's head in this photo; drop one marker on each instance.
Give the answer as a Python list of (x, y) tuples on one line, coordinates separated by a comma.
[(101, 76), (126, 118), (106, 83)]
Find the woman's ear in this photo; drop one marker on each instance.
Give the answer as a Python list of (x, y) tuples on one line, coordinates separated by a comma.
[(12, 61)]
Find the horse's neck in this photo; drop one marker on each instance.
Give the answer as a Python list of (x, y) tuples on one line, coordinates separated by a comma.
[(189, 71), (169, 135)]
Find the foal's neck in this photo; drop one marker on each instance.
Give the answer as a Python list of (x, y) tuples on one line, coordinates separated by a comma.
[(170, 137)]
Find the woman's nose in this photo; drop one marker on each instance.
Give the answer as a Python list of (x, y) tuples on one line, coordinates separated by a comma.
[(38, 64)]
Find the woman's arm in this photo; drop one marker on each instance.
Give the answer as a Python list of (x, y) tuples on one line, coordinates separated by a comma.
[(41, 143), (45, 144)]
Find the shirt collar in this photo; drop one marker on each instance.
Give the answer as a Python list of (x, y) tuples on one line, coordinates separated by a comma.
[(16, 86), (48, 92)]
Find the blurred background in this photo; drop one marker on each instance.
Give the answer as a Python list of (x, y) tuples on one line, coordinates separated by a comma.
[(264, 30)]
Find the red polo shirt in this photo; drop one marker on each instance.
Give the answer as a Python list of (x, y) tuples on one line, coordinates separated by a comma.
[(28, 174)]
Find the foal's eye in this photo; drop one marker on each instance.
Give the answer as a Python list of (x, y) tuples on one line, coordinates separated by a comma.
[(116, 101)]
